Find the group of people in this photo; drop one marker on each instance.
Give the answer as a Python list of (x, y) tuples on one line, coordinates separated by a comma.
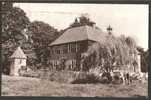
[(124, 77)]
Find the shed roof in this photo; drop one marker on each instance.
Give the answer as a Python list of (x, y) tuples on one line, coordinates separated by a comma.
[(79, 34), (19, 54)]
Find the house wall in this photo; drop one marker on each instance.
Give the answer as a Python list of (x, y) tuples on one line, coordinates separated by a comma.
[(139, 63), (70, 51), (135, 68), (16, 65)]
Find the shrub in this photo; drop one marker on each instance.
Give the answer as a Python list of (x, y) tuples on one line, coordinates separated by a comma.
[(117, 79), (61, 76), (85, 77), (106, 77), (72, 77), (29, 74)]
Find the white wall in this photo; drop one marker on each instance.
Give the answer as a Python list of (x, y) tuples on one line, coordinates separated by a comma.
[(16, 65)]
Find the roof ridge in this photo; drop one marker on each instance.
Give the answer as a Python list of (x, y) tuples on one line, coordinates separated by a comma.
[(18, 53)]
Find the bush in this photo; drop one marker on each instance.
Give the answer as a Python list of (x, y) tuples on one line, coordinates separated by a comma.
[(73, 77), (29, 74), (106, 78), (117, 79), (70, 77), (85, 77), (61, 76)]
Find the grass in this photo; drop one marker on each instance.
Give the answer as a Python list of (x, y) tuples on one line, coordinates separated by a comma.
[(24, 86)]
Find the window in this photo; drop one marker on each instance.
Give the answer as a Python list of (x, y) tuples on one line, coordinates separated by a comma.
[(68, 47), (78, 47), (65, 49), (20, 61), (58, 51), (73, 64), (72, 47)]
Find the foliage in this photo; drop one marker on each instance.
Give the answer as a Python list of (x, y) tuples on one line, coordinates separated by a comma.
[(29, 74), (82, 20), (14, 21), (110, 53), (33, 37), (145, 58), (66, 76), (42, 35), (84, 77)]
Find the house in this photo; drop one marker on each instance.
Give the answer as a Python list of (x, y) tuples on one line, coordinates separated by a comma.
[(67, 49), (18, 60)]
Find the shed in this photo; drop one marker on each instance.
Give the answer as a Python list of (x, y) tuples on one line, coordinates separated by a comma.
[(18, 60)]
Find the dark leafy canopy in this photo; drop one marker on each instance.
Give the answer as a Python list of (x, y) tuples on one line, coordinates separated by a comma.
[(145, 59), (42, 35), (82, 20), (32, 37), (42, 32), (14, 21)]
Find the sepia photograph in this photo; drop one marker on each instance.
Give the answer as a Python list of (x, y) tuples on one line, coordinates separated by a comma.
[(75, 50)]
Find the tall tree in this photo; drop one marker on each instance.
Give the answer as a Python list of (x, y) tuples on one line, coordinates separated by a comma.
[(42, 35), (145, 59), (14, 21), (110, 53)]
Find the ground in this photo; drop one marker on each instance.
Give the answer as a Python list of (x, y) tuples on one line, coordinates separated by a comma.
[(24, 86)]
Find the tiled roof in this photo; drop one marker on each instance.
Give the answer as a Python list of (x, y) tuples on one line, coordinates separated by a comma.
[(18, 54), (79, 34)]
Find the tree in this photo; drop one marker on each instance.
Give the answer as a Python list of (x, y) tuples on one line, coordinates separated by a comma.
[(109, 53), (148, 59), (82, 20), (145, 59), (14, 21), (42, 35)]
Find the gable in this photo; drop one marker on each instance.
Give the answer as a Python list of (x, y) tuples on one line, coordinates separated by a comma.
[(18, 54)]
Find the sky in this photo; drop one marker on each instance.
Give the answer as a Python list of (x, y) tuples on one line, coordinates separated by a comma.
[(128, 19)]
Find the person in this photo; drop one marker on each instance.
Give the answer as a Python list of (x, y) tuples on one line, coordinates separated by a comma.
[(127, 77), (123, 78)]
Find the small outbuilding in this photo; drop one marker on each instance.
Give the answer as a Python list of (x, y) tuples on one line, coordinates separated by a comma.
[(18, 60)]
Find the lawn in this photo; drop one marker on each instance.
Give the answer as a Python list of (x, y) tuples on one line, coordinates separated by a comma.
[(24, 86)]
